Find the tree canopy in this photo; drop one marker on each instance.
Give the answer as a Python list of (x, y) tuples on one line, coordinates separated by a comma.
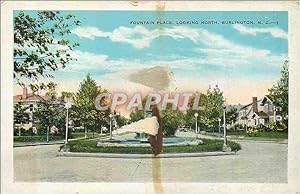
[(279, 92), (41, 44)]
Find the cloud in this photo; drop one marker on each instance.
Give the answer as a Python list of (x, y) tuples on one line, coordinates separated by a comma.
[(89, 32), (212, 49), (275, 32), (138, 36), (85, 61)]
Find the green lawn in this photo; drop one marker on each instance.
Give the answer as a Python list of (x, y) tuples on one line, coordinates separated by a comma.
[(36, 138), (76, 135), (208, 145), (43, 138), (262, 134)]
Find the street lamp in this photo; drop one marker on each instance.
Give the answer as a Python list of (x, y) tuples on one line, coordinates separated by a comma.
[(110, 125), (219, 119), (224, 125), (196, 117), (67, 106), (225, 147)]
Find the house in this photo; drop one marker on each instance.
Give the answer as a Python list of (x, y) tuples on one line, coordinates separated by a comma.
[(257, 112), (31, 100)]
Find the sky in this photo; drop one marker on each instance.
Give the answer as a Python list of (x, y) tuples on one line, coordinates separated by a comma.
[(244, 60)]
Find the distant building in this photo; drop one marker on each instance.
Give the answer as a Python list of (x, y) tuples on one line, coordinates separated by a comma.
[(31, 100), (261, 111)]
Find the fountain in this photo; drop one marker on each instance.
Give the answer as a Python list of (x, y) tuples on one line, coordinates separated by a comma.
[(150, 126)]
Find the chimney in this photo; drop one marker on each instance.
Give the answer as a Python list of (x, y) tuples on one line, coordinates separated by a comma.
[(24, 95), (254, 104)]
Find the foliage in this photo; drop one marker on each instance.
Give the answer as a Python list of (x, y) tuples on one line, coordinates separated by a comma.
[(122, 121), (23, 131), (171, 120), (36, 138), (237, 127), (213, 102), (276, 129), (44, 116), (208, 145), (252, 132), (276, 126), (231, 115), (85, 112), (279, 93), (66, 95), (41, 44), (136, 116), (49, 113), (20, 115)]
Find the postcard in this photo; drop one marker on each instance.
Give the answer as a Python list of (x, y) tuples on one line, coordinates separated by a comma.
[(150, 97)]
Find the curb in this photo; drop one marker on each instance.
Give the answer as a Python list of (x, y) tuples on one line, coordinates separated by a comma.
[(175, 155), (38, 144)]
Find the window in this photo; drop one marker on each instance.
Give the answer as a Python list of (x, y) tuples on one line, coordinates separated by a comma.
[(31, 107)]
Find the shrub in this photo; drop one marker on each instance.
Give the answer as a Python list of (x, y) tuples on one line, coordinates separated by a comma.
[(252, 132), (272, 126), (261, 127), (237, 127)]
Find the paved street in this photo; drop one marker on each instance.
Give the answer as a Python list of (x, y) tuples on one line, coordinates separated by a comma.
[(261, 162)]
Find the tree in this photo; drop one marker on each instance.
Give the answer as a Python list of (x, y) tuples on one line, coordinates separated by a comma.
[(171, 120), (136, 115), (213, 102), (41, 44), (121, 120), (44, 117), (48, 113), (189, 118), (85, 110), (279, 92), (20, 116), (51, 90), (231, 115), (66, 95)]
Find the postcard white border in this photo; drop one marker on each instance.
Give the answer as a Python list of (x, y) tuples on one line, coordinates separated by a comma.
[(7, 184)]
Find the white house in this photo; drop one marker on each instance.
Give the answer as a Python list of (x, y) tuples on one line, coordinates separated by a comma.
[(260, 111)]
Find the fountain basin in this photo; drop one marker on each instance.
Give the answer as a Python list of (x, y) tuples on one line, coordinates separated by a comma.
[(169, 141)]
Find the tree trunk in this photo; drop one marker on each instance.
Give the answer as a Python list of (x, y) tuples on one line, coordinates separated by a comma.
[(85, 131), (47, 134)]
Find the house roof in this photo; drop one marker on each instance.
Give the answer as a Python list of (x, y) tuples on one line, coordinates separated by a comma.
[(250, 104), (260, 114), (30, 97), (246, 106), (266, 98)]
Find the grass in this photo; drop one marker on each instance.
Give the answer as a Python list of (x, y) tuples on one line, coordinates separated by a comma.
[(262, 134), (36, 138), (76, 135), (43, 138), (208, 145)]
